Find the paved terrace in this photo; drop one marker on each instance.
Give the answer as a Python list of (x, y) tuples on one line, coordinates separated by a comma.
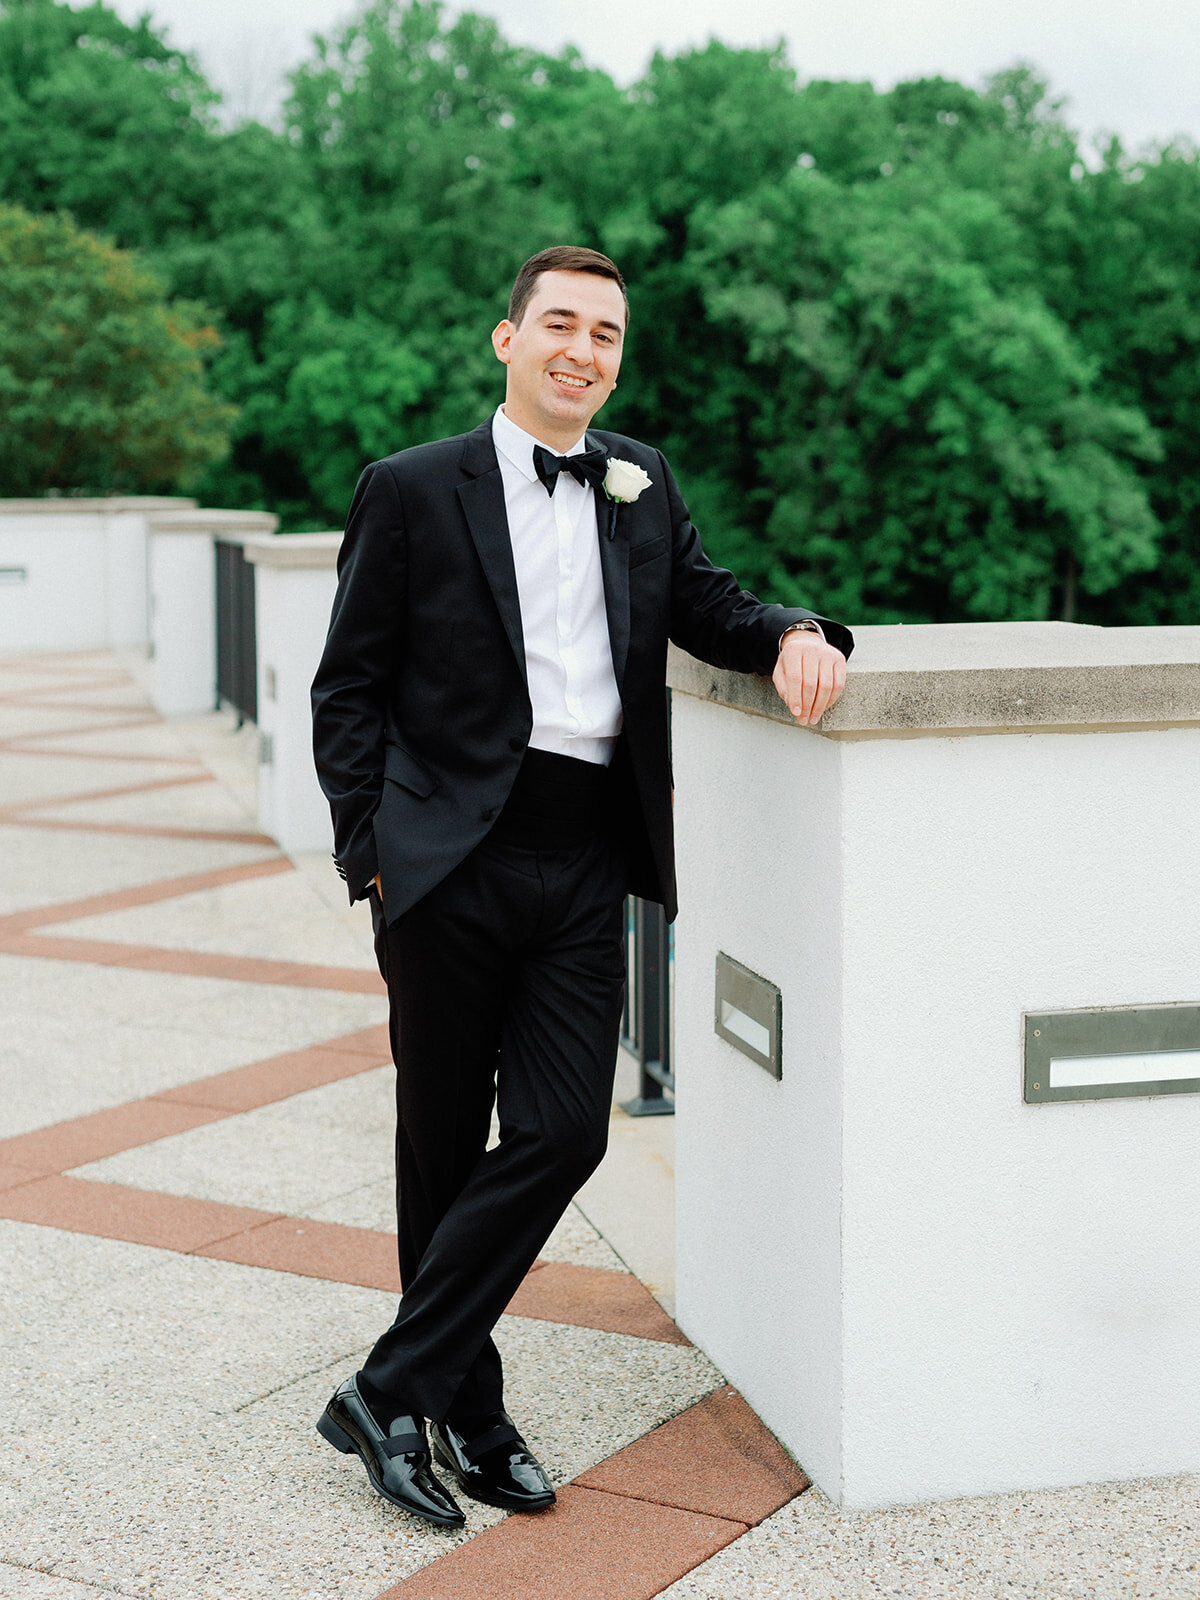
[(194, 1226)]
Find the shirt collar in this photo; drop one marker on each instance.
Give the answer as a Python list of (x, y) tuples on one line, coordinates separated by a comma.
[(517, 446)]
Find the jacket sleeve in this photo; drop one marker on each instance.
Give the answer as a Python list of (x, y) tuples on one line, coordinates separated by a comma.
[(716, 621), (349, 692)]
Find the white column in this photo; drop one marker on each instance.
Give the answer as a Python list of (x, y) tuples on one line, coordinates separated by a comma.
[(295, 580), (183, 601), (927, 1286)]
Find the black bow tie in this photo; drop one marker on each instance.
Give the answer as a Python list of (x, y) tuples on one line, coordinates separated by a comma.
[(589, 466)]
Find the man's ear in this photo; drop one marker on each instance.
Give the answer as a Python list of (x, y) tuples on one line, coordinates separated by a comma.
[(502, 340)]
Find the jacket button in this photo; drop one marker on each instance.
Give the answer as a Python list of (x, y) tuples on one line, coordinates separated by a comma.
[(490, 813), (516, 742)]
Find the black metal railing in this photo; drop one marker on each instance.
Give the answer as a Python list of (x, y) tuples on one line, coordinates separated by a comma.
[(646, 1025), (237, 653)]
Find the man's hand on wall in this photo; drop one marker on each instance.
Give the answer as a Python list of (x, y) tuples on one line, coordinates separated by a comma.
[(809, 676)]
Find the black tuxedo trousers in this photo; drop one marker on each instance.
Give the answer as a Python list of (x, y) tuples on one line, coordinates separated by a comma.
[(506, 983)]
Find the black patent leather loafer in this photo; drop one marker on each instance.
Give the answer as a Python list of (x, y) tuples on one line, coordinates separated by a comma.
[(495, 1465), (397, 1461)]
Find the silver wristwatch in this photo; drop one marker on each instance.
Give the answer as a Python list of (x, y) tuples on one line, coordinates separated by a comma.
[(806, 626)]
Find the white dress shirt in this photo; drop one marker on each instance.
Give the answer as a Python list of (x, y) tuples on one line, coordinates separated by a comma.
[(556, 553)]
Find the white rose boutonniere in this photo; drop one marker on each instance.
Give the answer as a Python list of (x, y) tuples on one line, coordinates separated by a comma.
[(624, 481)]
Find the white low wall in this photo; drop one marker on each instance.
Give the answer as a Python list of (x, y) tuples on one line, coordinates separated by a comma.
[(926, 1286), (74, 573), (295, 581), (183, 600)]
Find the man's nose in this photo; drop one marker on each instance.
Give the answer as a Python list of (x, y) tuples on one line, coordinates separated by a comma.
[(579, 348)]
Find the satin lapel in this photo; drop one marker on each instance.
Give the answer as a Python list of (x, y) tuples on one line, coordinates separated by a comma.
[(614, 565), (482, 500)]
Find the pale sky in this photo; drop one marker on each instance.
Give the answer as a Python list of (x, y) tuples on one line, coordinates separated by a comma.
[(1125, 66)]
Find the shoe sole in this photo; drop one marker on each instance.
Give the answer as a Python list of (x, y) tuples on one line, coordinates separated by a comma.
[(500, 1502), (341, 1440)]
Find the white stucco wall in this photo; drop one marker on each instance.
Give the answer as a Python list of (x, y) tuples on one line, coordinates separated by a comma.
[(85, 566), (183, 622), (1021, 1295), (925, 1286), (758, 1261), (182, 564), (293, 601)]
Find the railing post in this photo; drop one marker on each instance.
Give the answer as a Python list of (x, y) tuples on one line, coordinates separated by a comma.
[(237, 656), (646, 1026)]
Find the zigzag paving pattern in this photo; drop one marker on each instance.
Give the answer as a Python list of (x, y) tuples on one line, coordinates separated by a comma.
[(106, 1330), (188, 1019)]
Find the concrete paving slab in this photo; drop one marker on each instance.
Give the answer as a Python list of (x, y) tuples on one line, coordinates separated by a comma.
[(366, 1205), (318, 870), (186, 805), (195, 1384), (25, 676), (297, 1156), (170, 1333), (281, 919), (575, 1240), (79, 864), (630, 1199), (17, 720), (151, 737), (228, 751), (28, 778), (143, 1466), (290, 1156), (79, 1038), (92, 691), (1128, 1541), (24, 1583), (373, 1205)]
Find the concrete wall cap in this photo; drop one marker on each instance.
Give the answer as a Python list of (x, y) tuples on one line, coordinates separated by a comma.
[(294, 549), (986, 677), (229, 525), (55, 506)]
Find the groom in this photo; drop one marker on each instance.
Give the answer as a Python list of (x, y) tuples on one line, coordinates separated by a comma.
[(490, 728)]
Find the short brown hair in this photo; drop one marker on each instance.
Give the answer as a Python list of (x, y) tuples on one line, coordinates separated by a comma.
[(561, 258)]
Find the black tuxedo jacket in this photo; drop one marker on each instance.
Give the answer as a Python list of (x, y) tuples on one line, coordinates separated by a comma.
[(421, 711)]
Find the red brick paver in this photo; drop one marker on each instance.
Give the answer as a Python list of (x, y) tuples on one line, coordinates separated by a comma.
[(716, 1457), (279, 1077), (113, 1211), (590, 1546), (102, 1133), (312, 1249), (593, 1297)]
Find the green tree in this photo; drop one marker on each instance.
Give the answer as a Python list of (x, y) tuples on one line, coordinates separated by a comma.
[(101, 118), (928, 443), (101, 382), (909, 354)]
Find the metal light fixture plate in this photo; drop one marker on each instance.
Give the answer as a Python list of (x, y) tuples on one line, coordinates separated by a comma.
[(1112, 1052), (749, 1014)]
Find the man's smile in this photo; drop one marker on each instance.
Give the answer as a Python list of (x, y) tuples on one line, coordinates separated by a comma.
[(571, 380)]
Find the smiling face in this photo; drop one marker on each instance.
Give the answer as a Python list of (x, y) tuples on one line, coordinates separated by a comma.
[(563, 356)]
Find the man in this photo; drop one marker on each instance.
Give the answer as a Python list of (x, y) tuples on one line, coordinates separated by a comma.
[(490, 727)]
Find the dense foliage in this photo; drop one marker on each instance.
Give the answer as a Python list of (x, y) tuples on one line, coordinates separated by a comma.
[(100, 380), (911, 357)]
